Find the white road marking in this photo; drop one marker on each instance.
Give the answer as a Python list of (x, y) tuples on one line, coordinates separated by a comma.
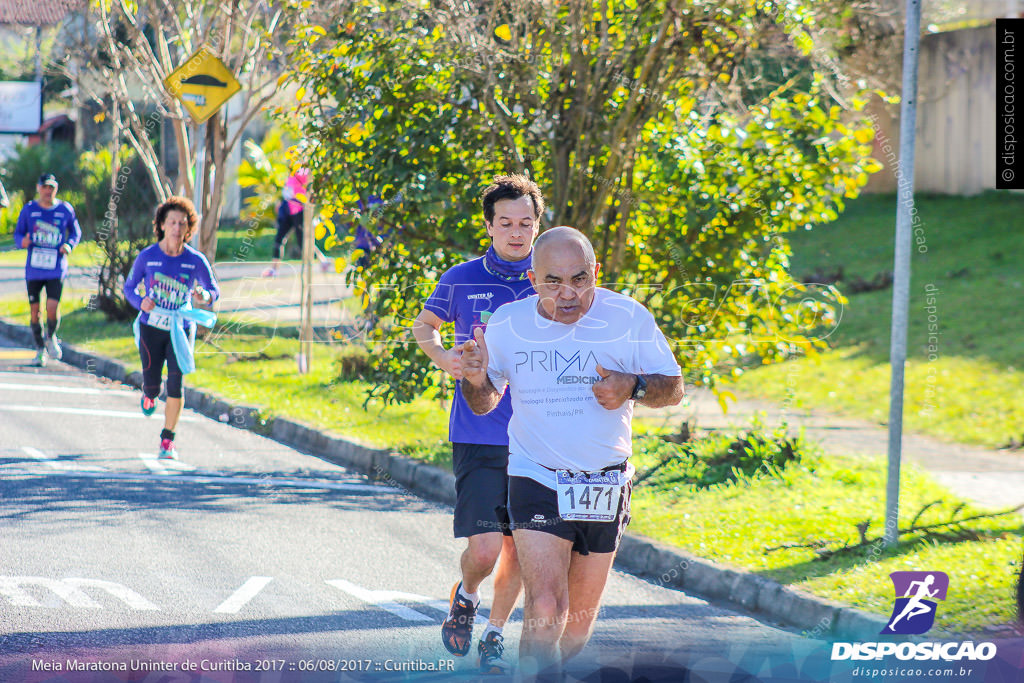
[(150, 461), (84, 379), (163, 465), (51, 389), (219, 480), (244, 594), (50, 410), (384, 599), (70, 591), (55, 464)]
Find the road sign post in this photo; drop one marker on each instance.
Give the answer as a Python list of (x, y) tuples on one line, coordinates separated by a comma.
[(901, 266), (203, 84)]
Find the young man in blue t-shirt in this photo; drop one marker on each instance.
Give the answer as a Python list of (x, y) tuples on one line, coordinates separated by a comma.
[(466, 295), (48, 228)]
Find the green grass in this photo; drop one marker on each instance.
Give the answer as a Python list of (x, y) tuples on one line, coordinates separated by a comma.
[(970, 386), (319, 398), (245, 244), (85, 254), (824, 499)]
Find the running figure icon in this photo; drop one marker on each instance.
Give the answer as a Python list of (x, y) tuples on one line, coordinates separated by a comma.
[(915, 607), (916, 603)]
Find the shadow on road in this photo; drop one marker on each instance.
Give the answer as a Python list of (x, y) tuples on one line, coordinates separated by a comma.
[(110, 496), (695, 616)]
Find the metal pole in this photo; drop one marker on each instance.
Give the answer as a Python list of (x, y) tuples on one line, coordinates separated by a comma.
[(901, 264), (39, 53), (306, 334), (197, 184)]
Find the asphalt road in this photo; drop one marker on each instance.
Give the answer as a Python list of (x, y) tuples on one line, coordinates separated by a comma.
[(249, 551)]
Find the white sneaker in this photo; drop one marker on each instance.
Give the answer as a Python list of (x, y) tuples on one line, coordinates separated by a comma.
[(53, 347), (40, 360)]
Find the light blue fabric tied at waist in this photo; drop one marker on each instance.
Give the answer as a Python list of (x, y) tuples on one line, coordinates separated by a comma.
[(183, 343)]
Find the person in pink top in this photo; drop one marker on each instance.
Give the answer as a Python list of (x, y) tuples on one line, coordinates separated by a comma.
[(289, 214)]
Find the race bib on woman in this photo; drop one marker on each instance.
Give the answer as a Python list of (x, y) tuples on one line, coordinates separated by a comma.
[(159, 320)]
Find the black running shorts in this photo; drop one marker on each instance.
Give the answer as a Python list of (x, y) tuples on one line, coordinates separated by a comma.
[(481, 489), (155, 349), (54, 288), (532, 505)]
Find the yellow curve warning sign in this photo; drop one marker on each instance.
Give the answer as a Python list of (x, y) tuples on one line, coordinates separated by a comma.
[(202, 83)]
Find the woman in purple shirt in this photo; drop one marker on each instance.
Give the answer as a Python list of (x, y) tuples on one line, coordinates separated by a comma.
[(164, 281)]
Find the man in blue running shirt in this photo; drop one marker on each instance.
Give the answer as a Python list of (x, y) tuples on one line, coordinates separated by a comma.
[(466, 295), (48, 228)]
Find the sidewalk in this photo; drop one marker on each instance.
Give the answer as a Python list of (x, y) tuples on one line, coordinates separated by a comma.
[(991, 479)]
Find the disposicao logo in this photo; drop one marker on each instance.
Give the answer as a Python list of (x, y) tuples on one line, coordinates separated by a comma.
[(913, 612)]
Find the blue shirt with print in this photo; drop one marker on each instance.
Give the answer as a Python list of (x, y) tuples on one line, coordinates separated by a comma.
[(467, 295), (168, 280), (49, 230)]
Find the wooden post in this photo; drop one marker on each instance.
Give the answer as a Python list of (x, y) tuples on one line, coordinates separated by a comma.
[(306, 332)]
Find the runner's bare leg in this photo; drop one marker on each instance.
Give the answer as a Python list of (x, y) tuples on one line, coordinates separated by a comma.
[(544, 560)]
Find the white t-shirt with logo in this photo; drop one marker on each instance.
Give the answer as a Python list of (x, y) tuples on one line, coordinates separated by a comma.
[(549, 368)]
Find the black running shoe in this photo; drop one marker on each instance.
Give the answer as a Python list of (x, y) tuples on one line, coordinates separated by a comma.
[(457, 629), (492, 650)]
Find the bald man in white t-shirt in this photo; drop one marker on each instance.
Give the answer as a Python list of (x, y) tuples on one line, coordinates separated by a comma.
[(575, 358)]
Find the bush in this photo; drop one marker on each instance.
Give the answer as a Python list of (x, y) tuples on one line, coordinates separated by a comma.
[(9, 216), (21, 172), (120, 222), (720, 459), (353, 364), (263, 172)]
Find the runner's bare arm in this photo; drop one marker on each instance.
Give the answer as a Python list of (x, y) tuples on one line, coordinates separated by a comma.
[(616, 387), (426, 330), (481, 399), (477, 388), (663, 390)]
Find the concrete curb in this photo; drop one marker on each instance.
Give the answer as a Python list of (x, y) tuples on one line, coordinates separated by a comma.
[(667, 566)]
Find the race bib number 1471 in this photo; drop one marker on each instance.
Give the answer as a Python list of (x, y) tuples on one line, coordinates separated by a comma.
[(588, 496)]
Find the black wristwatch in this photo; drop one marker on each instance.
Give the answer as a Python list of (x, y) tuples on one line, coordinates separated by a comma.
[(639, 389)]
